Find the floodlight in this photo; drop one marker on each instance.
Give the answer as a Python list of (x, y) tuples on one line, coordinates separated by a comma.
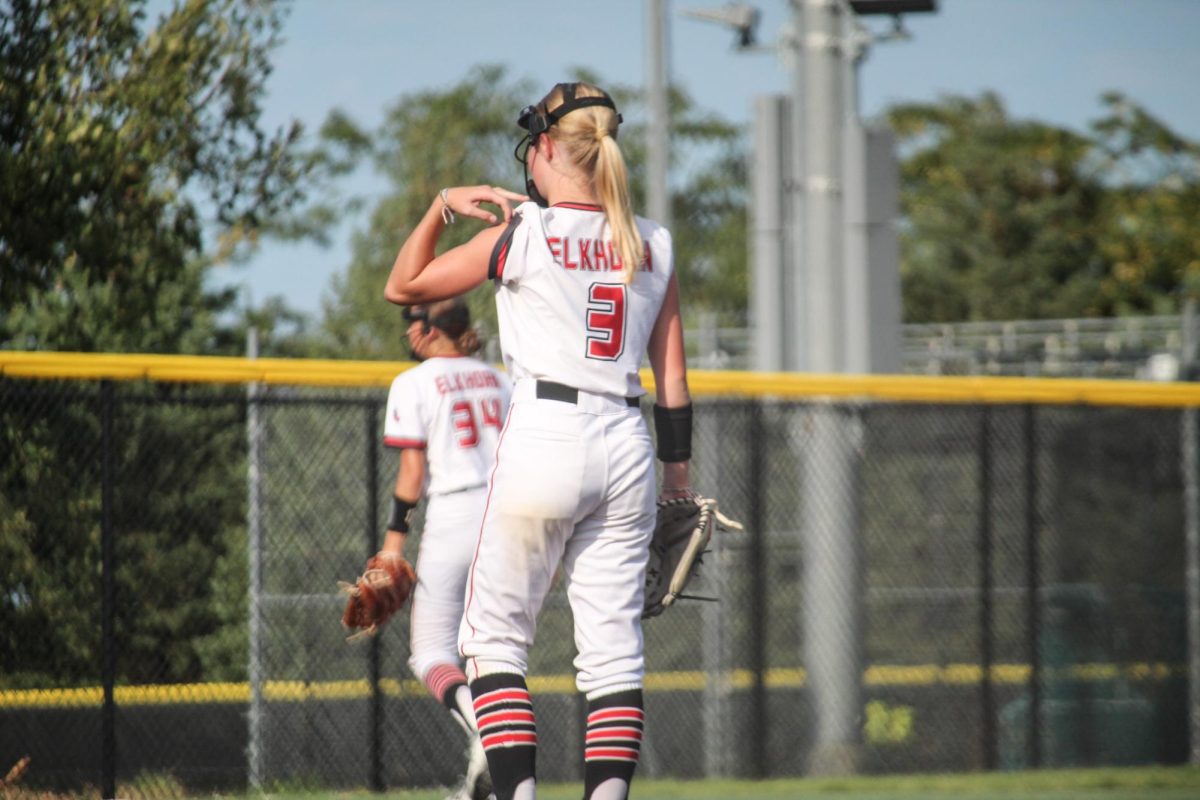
[(741, 17), (866, 8)]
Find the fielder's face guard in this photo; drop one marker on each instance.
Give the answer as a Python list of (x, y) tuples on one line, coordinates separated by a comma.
[(537, 121), (411, 314), (452, 321)]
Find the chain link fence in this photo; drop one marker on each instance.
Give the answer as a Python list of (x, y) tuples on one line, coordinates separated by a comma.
[(932, 586)]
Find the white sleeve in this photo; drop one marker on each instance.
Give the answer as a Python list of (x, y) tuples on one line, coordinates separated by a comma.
[(405, 425)]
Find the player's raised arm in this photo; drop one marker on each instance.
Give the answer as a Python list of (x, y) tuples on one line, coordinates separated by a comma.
[(419, 275)]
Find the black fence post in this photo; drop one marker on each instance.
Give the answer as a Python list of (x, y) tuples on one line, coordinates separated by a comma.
[(757, 624), (372, 537), (1033, 586), (987, 698), (108, 669)]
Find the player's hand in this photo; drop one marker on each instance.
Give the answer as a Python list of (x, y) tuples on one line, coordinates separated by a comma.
[(466, 200)]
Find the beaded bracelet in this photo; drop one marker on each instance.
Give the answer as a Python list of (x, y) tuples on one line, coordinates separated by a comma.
[(447, 211)]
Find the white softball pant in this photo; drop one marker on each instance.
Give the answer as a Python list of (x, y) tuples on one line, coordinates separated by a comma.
[(447, 545), (573, 484)]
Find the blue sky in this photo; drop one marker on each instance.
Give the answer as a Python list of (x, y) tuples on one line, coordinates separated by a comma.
[(1049, 59)]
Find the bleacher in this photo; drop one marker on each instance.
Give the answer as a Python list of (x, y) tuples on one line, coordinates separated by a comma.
[(1150, 347)]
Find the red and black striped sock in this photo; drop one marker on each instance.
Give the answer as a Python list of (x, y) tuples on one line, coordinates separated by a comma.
[(504, 713), (613, 743), (443, 682)]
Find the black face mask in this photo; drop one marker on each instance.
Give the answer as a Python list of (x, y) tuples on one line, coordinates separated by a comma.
[(537, 122), (453, 322), (410, 315), (521, 153)]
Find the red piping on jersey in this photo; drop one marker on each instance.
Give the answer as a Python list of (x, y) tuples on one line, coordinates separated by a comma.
[(479, 540), (579, 206), (500, 252), (502, 259), (400, 444)]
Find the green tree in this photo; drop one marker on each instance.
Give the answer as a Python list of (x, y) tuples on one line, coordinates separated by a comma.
[(125, 148), (710, 210), (1000, 217), (132, 158), (1151, 240), (1008, 219)]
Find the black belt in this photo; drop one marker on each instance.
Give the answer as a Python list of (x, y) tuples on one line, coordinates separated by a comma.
[(549, 390), (472, 487)]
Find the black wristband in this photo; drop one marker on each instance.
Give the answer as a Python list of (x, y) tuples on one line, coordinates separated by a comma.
[(401, 513), (673, 429)]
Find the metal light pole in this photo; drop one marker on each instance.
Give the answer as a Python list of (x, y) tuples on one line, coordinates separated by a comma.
[(254, 548), (658, 136), (807, 219), (849, 189), (1191, 506), (796, 284), (830, 535), (768, 243), (821, 23)]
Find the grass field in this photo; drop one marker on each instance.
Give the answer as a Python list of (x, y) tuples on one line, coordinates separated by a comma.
[(1156, 783)]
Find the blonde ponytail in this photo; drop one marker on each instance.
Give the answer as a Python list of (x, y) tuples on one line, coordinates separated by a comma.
[(589, 136), (612, 189)]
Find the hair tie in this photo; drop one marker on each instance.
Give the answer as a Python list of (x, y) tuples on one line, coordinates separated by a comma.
[(601, 133)]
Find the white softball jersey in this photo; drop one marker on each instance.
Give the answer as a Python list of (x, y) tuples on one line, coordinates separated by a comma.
[(574, 483), (567, 314), (453, 409)]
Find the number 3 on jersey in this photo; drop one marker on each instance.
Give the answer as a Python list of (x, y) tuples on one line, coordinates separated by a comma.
[(606, 321), (465, 426)]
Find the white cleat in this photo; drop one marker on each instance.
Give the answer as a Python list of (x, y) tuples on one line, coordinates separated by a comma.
[(478, 781), (463, 794)]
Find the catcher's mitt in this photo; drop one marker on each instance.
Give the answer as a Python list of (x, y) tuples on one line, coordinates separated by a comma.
[(378, 594), (681, 532)]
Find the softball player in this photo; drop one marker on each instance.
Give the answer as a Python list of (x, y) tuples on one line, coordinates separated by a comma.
[(583, 291), (444, 416)]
